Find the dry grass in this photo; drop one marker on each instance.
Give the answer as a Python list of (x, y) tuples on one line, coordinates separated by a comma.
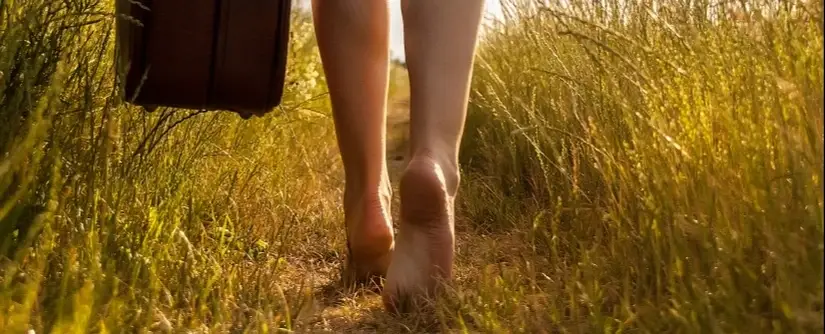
[(629, 167)]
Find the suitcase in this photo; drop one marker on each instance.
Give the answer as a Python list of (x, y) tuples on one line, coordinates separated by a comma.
[(203, 54)]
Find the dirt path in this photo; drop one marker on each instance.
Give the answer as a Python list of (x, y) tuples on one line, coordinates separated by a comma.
[(333, 310)]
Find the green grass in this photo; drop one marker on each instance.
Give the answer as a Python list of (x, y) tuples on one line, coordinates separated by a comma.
[(115, 218), (649, 169), (665, 169)]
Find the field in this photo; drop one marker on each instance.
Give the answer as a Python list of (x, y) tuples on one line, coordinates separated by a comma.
[(651, 166)]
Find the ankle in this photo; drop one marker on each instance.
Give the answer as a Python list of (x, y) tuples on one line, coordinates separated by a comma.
[(376, 194), (368, 220)]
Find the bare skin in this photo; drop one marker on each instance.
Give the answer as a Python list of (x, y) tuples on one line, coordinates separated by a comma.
[(440, 41), (354, 44)]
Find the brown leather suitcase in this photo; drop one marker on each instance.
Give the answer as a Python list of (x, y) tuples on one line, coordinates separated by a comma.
[(203, 54)]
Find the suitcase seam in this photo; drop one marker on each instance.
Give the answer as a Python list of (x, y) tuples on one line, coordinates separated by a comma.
[(216, 40), (281, 44)]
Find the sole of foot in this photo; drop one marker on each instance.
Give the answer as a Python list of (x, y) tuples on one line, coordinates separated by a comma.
[(425, 245)]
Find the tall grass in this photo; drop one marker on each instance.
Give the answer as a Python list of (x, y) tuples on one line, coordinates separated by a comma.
[(649, 166), (664, 159), (115, 219)]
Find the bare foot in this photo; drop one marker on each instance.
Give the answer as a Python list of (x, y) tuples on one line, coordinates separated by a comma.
[(369, 237), (425, 245)]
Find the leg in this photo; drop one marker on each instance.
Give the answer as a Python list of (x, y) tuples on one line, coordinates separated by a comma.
[(353, 37), (440, 41)]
